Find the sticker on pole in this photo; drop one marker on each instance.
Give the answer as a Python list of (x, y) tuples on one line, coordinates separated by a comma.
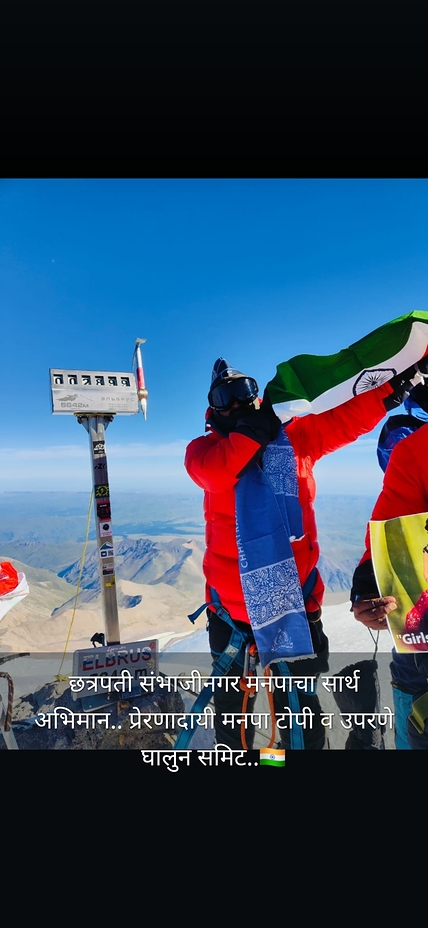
[(107, 550), (104, 510), (105, 528), (102, 490)]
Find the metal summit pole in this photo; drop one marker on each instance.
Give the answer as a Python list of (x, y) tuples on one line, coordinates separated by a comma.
[(96, 426), (95, 398)]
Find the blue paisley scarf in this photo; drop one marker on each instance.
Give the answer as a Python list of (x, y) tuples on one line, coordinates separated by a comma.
[(268, 513)]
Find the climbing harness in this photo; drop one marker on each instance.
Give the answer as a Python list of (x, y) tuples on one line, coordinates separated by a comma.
[(250, 663), (244, 652), (234, 651)]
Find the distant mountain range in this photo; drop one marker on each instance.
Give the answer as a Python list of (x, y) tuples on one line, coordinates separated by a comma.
[(59, 518), (55, 611), (56, 517), (159, 572), (176, 563)]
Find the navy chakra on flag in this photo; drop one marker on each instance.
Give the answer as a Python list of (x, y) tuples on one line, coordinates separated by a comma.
[(369, 380)]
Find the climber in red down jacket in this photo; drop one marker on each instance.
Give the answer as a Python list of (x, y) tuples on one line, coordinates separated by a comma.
[(240, 428)]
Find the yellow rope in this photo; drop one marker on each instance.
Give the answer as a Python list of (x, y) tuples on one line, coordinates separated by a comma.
[(58, 676)]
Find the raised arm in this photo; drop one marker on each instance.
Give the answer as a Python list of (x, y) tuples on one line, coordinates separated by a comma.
[(340, 426), (317, 435)]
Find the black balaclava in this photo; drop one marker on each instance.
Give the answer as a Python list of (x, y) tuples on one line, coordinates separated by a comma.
[(222, 370)]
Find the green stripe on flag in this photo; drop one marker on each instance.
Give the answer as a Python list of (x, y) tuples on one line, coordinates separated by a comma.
[(308, 376), (272, 763)]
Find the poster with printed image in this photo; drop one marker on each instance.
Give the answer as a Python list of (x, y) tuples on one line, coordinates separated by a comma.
[(400, 560)]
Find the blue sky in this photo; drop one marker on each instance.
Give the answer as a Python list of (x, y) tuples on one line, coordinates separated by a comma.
[(254, 270)]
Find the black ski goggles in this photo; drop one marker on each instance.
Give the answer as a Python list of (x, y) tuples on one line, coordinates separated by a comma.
[(242, 390)]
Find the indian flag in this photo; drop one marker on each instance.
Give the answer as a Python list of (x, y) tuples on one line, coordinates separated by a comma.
[(272, 757), (314, 383)]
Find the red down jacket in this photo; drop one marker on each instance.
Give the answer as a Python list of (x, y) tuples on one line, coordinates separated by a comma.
[(212, 461)]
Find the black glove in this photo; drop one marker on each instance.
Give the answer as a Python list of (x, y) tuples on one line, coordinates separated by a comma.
[(262, 425), (403, 383)]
